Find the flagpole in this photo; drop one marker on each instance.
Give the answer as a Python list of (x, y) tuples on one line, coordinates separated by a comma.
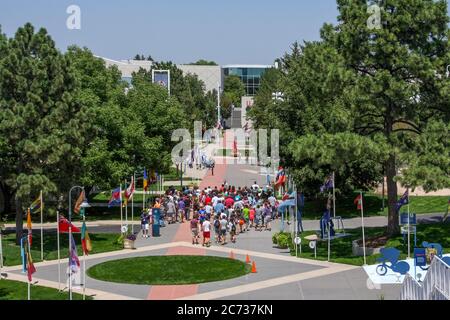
[(409, 231), (29, 282), (132, 203), (1, 253), (334, 195), (126, 207), (42, 229), (84, 261), (362, 223), (59, 255), (121, 210)]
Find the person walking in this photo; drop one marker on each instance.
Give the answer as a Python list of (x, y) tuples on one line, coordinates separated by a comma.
[(145, 222), (206, 227), (223, 229), (181, 207), (194, 229)]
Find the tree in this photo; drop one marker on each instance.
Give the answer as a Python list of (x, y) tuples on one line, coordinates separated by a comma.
[(233, 91), (42, 126), (203, 62), (380, 89)]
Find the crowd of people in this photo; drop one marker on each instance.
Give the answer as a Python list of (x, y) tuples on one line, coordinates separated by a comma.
[(216, 214)]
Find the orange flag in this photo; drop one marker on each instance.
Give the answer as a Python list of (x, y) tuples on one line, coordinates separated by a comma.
[(78, 203), (29, 219)]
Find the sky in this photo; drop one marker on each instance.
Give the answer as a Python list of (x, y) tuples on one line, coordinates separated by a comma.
[(182, 31)]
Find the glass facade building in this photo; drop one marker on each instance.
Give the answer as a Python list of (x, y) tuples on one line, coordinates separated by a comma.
[(249, 74)]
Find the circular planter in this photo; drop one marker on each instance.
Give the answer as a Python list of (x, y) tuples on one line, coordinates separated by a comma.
[(128, 244), (359, 250)]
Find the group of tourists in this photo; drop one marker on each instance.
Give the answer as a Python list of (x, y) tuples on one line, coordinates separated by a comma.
[(216, 214)]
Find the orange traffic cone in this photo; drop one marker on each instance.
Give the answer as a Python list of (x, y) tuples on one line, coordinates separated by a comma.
[(232, 255), (254, 267), (247, 259)]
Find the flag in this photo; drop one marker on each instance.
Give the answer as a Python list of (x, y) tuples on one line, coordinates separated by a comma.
[(36, 205), (448, 211), (328, 184), (116, 198), (74, 262), (29, 263), (404, 200), (358, 201), (145, 180), (80, 200), (85, 240), (64, 226), (129, 192), (29, 227)]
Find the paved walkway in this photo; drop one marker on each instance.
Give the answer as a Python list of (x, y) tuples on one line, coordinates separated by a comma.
[(279, 276)]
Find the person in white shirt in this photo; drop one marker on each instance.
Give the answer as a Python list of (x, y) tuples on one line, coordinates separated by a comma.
[(206, 227), (255, 187), (214, 200)]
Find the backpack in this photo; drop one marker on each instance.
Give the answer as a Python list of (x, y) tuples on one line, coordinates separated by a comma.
[(216, 224)]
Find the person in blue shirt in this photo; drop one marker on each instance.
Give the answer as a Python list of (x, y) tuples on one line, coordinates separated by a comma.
[(219, 208)]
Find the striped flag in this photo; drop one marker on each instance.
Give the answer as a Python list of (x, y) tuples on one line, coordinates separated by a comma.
[(36, 205), (80, 200), (129, 192), (145, 180), (74, 262), (85, 240), (358, 201)]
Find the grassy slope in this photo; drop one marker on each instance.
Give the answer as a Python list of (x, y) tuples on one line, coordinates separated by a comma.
[(100, 243), (15, 290)]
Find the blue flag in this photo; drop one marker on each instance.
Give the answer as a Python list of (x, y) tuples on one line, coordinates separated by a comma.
[(328, 185), (404, 200)]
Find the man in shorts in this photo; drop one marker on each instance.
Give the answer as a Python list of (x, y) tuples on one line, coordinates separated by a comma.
[(145, 224), (206, 227), (223, 229), (194, 229)]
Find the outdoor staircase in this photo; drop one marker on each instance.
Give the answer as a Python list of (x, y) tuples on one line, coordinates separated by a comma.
[(436, 285), (236, 118)]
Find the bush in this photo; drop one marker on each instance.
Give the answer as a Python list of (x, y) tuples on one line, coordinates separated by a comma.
[(275, 238), (283, 241)]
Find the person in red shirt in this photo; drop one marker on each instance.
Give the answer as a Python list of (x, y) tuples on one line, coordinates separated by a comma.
[(208, 200), (229, 202)]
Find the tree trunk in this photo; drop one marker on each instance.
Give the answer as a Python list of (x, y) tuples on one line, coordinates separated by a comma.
[(391, 172), (7, 197), (19, 220)]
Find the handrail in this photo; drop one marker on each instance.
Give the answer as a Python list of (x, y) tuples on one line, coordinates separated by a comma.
[(436, 284)]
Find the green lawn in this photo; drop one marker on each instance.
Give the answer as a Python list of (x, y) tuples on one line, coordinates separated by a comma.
[(341, 249), (372, 206), (100, 243), (15, 290), (169, 270)]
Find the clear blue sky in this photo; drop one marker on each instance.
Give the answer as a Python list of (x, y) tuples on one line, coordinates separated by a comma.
[(226, 31)]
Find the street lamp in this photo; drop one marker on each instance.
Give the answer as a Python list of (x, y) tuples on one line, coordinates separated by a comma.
[(83, 205), (218, 105)]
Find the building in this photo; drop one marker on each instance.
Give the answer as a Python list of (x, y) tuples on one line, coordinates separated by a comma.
[(249, 74), (212, 76)]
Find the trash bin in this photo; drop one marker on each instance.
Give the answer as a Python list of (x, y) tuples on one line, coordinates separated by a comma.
[(156, 222)]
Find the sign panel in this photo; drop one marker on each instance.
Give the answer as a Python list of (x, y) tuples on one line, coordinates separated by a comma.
[(404, 219), (412, 229), (420, 256)]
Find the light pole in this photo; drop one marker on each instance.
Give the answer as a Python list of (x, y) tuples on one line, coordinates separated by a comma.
[(218, 105), (85, 204)]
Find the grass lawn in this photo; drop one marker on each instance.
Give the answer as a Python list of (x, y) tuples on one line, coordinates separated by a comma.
[(341, 249), (15, 290), (169, 270), (372, 206), (100, 243)]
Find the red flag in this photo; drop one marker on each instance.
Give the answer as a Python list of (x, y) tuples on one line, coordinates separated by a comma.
[(358, 201), (64, 226)]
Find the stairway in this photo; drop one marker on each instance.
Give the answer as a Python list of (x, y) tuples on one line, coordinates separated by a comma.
[(436, 285), (236, 118)]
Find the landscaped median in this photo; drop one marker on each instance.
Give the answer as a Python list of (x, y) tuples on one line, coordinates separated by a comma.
[(342, 248), (169, 270)]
